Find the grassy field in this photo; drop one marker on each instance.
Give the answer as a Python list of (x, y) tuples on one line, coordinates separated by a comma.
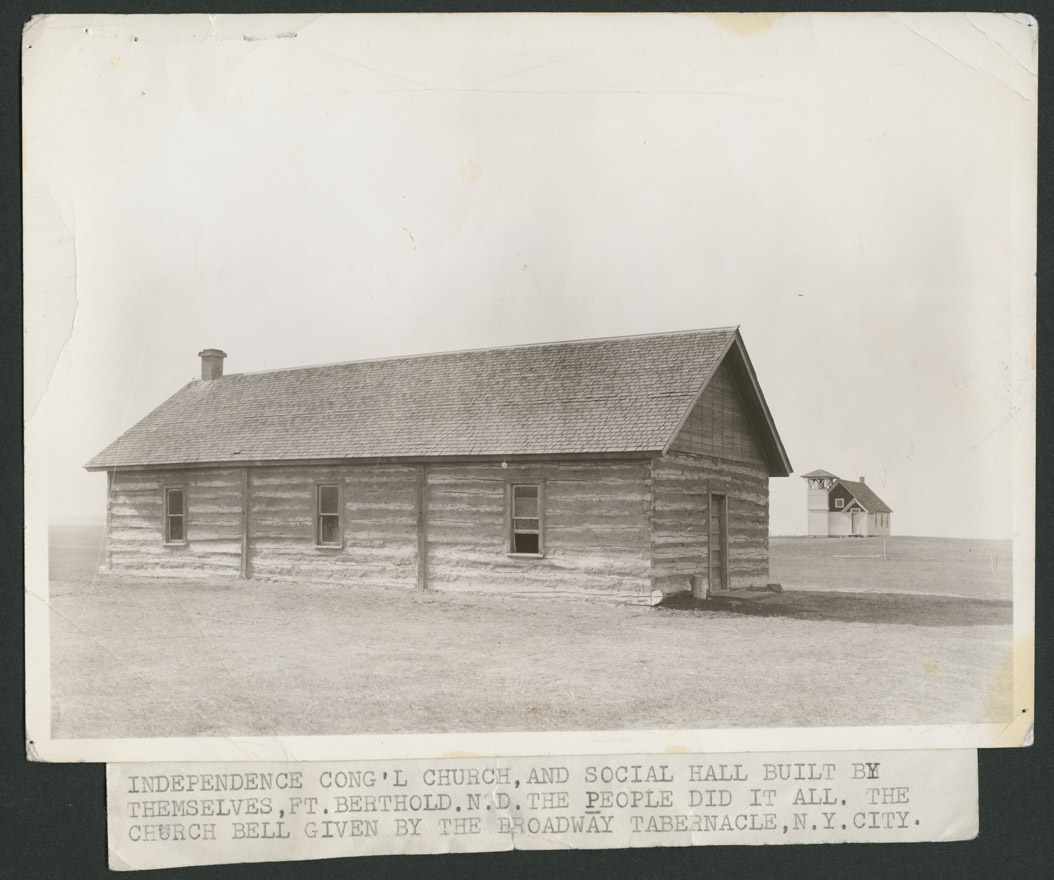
[(944, 566), (151, 657)]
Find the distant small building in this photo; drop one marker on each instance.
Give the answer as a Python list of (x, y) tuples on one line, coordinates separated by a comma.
[(842, 508)]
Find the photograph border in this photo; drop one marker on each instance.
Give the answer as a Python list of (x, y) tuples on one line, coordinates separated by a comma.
[(41, 745)]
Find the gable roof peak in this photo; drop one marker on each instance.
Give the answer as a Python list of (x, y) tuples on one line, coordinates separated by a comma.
[(819, 474), (516, 346), (610, 395), (866, 496)]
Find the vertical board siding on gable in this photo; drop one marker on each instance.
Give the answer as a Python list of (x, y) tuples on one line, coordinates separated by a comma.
[(681, 484), (718, 425), (595, 523), (213, 505), (379, 522)]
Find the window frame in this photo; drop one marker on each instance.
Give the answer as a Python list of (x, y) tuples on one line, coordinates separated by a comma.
[(166, 515), (839, 504), (511, 530), (317, 514)]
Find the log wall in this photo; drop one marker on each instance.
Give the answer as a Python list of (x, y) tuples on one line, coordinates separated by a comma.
[(595, 523), (611, 529), (379, 524), (681, 485), (213, 508)]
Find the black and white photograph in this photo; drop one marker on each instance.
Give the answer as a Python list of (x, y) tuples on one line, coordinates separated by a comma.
[(422, 385)]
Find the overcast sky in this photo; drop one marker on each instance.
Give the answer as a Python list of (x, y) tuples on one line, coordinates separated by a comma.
[(856, 192)]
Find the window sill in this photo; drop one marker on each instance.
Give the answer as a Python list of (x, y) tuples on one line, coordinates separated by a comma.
[(329, 547), (175, 544), (526, 555)]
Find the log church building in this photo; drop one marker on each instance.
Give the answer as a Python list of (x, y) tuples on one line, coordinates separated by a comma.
[(624, 468)]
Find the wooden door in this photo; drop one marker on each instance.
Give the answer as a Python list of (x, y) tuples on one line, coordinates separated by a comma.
[(858, 522), (718, 544)]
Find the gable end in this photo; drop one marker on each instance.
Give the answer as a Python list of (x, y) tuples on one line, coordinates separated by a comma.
[(730, 418), (719, 424)]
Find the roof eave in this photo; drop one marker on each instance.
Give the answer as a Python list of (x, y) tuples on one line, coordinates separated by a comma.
[(381, 459), (782, 466)]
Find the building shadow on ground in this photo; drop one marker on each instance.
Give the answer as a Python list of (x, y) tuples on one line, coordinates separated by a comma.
[(898, 608)]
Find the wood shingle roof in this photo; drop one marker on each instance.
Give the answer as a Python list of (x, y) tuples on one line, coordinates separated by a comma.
[(616, 395)]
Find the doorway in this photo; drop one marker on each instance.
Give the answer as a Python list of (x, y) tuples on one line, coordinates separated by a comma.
[(718, 542)]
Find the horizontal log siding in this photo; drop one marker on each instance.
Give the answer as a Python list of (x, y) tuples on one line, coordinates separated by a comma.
[(678, 536), (595, 522), (212, 508), (681, 484), (379, 521), (718, 425), (614, 529)]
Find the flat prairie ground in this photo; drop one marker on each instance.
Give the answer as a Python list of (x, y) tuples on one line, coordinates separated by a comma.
[(976, 569), (143, 657)]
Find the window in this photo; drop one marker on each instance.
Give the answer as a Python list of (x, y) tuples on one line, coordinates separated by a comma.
[(327, 516), (526, 520), (839, 503), (175, 516)]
